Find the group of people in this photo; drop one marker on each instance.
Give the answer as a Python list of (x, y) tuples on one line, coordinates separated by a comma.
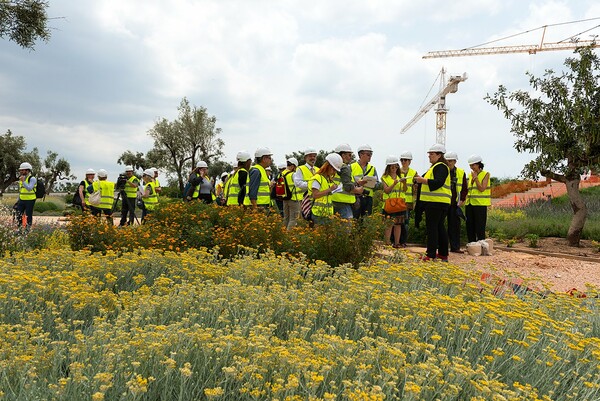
[(340, 186)]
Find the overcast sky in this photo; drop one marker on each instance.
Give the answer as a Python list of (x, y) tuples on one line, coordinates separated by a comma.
[(283, 74)]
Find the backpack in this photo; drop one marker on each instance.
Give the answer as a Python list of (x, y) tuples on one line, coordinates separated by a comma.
[(40, 189), (280, 187)]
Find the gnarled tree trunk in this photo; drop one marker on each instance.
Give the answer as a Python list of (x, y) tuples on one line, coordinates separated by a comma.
[(579, 212)]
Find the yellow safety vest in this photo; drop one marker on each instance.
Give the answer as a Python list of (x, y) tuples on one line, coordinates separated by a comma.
[(343, 196), (263, 197), (288, 177), (232, 189), (410, 176), (460, 173), (358, 174), (131, 192), (396, 192), (322, 207), (107, 193), (477, 198), (151, 201), (86, 194), (308, 175), (24, 193), (440, 195)]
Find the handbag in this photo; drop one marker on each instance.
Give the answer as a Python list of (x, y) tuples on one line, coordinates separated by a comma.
[(394, 205), (95, 198)]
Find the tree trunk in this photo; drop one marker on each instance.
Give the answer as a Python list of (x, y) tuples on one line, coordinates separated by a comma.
[(579, 212)]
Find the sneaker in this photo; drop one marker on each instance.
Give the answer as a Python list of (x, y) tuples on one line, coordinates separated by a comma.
[(426, 258), (442, 258)]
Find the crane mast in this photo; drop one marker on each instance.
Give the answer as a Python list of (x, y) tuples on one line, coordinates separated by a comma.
[(438, 99)]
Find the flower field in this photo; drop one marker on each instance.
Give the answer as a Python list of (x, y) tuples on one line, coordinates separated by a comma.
[(189, 325)]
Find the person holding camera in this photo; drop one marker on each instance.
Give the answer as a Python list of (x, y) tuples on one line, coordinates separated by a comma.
[(200, 185), (27, 187), (129, 195), (344, 200), (361, 169)]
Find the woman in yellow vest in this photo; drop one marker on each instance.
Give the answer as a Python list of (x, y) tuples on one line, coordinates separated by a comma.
[(236, 187), (435, 198), (408, 174), (478, 199), (393, 187), (27, 187), (150, 195), (107, 195), (322, 186)]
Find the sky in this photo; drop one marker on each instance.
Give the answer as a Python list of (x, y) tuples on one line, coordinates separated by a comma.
[(282, 74)]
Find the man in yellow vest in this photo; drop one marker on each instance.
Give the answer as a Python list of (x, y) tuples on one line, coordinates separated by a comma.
[(360, 169), (107, 195), (305, 172), (27, 187), (260, 183), (157, 186), (344, 200), (292, 198), (408, 174), (458, 184), (149, 194), (129, 196), (236, 187)]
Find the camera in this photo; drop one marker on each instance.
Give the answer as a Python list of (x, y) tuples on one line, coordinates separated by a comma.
[(121, 181)]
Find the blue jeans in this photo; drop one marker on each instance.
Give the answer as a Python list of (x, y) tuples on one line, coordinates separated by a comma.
[(343, 209)]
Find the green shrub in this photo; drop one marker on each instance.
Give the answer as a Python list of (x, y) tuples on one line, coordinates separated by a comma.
[(42, 207), (532, 240)]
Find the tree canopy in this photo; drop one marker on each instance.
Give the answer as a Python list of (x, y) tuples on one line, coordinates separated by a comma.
[(558, 121), (24, 21)]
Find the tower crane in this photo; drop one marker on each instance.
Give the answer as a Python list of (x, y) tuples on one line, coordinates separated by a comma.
[(440, 99)]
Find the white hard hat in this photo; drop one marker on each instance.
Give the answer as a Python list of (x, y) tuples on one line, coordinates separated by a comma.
[(451, 156), (281, 166), (293, 160), (310, 151), (102, 173), (149, 172), (25, 166), (344, 147), (437, 148), (260, 152), (391, 159), (201, 164), (127, 168), (90, 171), (268, 168), (224, 174), (243, 156), (475, 159), (154, 169), (335, 160), (406, 155), (364, 148)]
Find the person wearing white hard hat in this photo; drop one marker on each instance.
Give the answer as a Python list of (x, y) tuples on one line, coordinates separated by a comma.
[(458, 184), (345, 200), (278, 188), (149, 194), (323, 187), (408, 174), (292, 198), (82, 194), (260, 183), (305, 172), (157, 186), (479, 198), (361, 169), (393, 188), (434, 199), (236, 187), (129, 197), (27, 197), (200, 185), (106, 190)]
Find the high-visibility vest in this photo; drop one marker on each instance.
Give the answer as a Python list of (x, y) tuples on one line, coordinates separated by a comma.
[(476, 197), (322, 207), (24, 193), (342, 196), (151, 201), (289, 179), (107, 193), (396, 192), (130, 191), (308, 175), (440, 195), (196, 188), (410, 176), (460, 174), (358, 173), (232, 189), (86, 194), (263, 197)]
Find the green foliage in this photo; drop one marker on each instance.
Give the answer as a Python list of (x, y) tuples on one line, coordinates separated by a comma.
[(24, 21), (532, 240), (42, 207)]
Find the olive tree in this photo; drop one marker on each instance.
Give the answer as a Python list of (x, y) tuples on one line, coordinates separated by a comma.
[(24, 21), (558, 121)]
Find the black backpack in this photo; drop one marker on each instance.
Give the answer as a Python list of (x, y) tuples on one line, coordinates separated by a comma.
[(40, 189)]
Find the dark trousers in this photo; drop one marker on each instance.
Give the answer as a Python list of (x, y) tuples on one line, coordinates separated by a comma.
[(366, 207), (127, 208), (404, 228), (437, 236), (25, 206), (476, 222), (454, 228)]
